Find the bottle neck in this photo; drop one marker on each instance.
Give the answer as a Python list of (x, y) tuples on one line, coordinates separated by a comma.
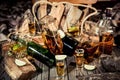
[(17, 38), (23, 42)]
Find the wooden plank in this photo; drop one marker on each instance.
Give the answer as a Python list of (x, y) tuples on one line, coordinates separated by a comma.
[(18, 72)]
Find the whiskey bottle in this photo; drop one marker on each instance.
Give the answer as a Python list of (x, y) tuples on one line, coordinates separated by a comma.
[(69, 43), (36, 51)]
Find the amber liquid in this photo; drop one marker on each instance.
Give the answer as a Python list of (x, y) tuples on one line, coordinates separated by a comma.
[(54, 44), (32, 29), (79, 60), (19, 51), (60, 68)]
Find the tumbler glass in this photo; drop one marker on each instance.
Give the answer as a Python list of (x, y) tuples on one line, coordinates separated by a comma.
[(79, 57), (60, 66)]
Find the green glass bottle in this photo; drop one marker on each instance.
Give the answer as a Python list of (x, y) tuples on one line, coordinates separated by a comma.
[(36, 51)]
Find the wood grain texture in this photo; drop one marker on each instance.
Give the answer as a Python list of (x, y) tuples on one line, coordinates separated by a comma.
[(76, 1), (18, 72)]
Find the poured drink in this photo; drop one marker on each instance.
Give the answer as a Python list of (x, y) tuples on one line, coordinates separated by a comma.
[(79, 60), (60, 68), (32, 28), (79, 56)]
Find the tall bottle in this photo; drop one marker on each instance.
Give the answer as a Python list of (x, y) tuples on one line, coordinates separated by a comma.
[(36, 51), (69, 43)]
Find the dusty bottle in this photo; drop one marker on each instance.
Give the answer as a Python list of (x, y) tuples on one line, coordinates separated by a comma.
[(69, 43), (36, 51)]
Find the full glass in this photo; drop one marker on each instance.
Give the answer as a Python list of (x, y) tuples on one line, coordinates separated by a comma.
[(60, 66), (79, 59)]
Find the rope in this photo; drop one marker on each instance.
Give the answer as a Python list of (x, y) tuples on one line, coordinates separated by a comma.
[(56, 3)]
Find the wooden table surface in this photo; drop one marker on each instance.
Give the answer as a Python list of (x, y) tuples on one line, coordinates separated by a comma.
[(70, 72)]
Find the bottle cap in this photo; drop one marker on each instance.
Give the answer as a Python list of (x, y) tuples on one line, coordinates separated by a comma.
[(61, 33)]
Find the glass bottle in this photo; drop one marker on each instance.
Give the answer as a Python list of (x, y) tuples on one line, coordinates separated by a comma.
[(36, 51), (69, 43)]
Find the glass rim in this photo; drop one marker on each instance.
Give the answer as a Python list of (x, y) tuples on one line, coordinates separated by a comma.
[(60, 57)]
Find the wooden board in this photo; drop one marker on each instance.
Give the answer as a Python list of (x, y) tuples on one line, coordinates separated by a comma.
[(18, 72)]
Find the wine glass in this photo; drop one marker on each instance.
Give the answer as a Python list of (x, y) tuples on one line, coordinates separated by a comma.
[(60, 66)]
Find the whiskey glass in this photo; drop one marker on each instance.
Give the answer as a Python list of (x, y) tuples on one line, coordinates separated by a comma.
[(60, 66), (79, 59)]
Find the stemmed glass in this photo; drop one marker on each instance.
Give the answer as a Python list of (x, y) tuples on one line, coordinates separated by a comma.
[(60, 66)]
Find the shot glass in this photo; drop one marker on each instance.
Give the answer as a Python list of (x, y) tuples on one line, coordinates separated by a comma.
[(60, 66), (79, 57)]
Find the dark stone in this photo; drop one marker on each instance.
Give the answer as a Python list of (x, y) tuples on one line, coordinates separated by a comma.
[(111, 64)]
